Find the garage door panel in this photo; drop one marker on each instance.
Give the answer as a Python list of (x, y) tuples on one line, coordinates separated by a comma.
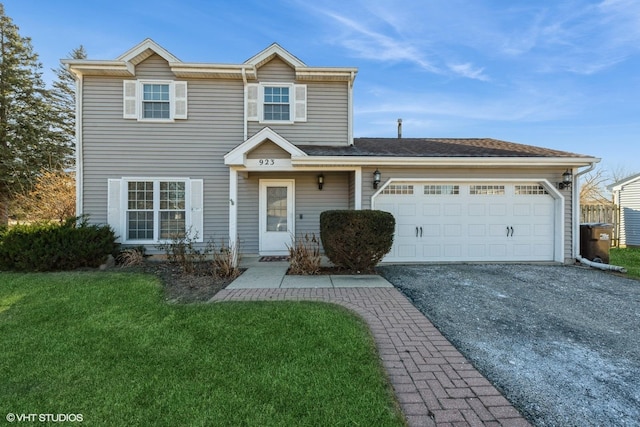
[(477, 209), (472, 223), (452, 230), (498, 210), (522, 209), (431, 209), (477, 230), (432, 252), (407, 209), (452, 209)]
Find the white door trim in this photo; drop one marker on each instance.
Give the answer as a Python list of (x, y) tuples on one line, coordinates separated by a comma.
[(270, 242)]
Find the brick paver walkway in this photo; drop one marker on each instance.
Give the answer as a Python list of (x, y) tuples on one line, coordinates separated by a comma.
[(434, 383)]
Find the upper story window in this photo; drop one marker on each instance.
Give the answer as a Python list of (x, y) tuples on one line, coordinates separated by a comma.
[(154, 100), (276, 102)]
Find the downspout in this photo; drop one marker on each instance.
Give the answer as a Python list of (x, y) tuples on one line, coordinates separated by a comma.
[(350, 108), (576, 228), (79, 155), (244, 81)]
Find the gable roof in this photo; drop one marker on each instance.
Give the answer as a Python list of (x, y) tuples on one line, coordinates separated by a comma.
[(271, 52), (145, 49), (616, 186)]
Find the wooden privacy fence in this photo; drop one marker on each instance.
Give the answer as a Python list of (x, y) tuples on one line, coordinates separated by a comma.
[(609, 214)]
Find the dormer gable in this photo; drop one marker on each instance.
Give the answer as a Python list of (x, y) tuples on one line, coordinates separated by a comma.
[(145, 49), (271, 52)]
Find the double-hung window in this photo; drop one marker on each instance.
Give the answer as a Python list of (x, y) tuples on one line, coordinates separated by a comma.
[(150, 210), (276, 102), (154, 100)]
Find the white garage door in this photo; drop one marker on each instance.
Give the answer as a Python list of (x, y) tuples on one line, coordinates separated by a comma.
[(469, 221)]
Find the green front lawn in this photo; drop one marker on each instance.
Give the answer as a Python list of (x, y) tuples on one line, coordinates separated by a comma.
[(106, 346), (628, 258)]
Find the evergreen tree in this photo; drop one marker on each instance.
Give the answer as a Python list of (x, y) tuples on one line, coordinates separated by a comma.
[(63, 96), (29, 141)]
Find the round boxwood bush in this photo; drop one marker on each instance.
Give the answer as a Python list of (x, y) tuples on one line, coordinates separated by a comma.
[(356, 240)]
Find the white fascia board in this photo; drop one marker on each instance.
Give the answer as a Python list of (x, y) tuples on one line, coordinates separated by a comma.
[(326, 73), (204, 70), (445, 161), (83, 67), (265, 55), (617, 186)]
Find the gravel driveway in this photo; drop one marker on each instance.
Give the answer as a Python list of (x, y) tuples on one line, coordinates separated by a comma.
[(561, 342)]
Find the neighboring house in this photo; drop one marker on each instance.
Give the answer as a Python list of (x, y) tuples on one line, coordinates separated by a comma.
[(626, 195), (254, 152)]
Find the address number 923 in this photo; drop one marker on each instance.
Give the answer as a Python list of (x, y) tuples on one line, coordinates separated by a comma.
[(266, 162)]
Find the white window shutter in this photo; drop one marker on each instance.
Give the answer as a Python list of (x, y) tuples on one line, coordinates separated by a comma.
[(180, 100), (130, 102), (253, 95), (197, 194), (114, 210), (300, 103)]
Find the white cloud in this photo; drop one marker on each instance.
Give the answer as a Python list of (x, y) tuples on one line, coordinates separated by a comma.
[(469, 71)]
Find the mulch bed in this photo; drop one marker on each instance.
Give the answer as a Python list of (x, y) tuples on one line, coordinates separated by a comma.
[(180, 287)]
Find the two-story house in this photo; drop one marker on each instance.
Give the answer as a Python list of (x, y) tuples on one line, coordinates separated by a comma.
[(252, 153)]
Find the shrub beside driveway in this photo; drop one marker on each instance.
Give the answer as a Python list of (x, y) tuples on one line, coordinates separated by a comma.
[(562, 343)]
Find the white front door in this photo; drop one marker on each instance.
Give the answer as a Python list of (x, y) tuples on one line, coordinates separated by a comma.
[(276, 205)]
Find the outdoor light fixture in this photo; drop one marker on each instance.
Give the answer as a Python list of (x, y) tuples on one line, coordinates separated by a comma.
[(376, 179), (567, 179), (320, 181)]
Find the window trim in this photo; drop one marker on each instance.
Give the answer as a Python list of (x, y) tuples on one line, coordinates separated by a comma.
[(133, 100), (254, 101), (117, 215)]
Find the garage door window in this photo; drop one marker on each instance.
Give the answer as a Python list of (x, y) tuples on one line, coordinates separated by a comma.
[(449, 190), (398, 189), (529, 190), (486, 190)]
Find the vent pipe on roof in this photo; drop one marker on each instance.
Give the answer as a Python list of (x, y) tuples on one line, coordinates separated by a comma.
[(399, 128)]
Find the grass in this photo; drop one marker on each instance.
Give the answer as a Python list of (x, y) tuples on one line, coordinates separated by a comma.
[(106, 346), (628, 258)]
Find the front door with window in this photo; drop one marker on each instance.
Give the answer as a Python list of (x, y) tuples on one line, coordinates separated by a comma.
[(276, 205)]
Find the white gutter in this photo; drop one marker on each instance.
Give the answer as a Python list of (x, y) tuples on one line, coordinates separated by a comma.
[(576, 226), (441, 161)]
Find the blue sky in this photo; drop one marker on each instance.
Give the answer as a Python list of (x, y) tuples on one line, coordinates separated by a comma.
[(558, 74)]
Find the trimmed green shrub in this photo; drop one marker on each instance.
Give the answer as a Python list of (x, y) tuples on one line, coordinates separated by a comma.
[(356, 240), (55, 247)]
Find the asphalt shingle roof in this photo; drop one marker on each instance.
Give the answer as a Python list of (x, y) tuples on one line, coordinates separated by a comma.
[(435, 147)]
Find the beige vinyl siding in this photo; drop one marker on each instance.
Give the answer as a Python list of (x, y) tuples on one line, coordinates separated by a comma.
[(276, 70), (327, 109), (268, 150), (154, 67), (552, 175), (309, 202), (193, 148)]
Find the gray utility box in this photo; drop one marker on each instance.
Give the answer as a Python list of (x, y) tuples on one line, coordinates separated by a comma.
[(595, 241)]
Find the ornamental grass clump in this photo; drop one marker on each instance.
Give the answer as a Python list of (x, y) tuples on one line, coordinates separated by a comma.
[(304, 255)]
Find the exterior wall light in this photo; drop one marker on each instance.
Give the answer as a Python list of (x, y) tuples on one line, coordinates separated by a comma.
[(376, 179), (320, 181), (567, 180)]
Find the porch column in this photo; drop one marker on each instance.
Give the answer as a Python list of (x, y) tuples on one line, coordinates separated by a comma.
[(357, 193), (233, 213)]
